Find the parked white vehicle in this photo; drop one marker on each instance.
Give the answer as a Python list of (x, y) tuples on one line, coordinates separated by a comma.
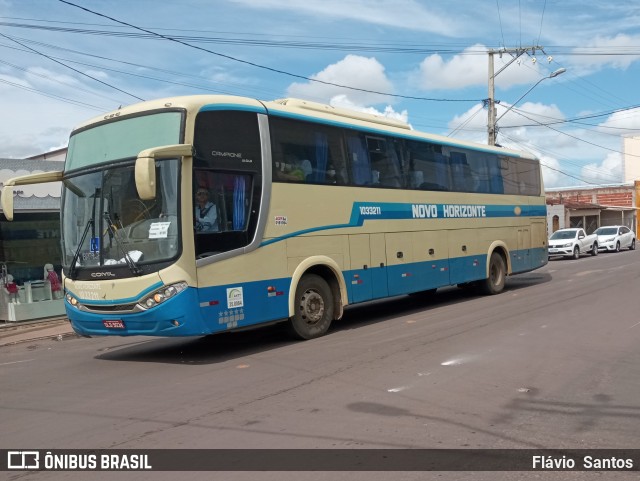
[(615, 237), (572, 243)]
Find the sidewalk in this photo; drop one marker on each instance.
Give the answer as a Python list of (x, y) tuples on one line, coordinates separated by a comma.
[(23, 331)]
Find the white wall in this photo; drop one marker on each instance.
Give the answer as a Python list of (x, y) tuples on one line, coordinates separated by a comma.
[(630, 164), (553, 210)]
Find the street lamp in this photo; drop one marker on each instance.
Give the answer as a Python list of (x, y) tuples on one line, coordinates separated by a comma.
[(553, 74)]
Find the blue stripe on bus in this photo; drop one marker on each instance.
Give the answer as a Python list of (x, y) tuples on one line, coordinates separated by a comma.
[(245, 108), (201, 311), (362, 211)]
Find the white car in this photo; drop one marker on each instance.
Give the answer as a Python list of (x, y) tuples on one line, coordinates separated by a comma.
[(615, 237), (572, 243)]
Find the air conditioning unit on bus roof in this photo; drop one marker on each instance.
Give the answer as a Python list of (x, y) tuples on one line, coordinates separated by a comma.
[(341, 112)]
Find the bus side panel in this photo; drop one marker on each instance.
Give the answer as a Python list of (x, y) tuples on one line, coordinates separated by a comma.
[(402, 273), (539, 253), (521, 257), (378, 270), (431, 253), (244, 304), (358, 279)]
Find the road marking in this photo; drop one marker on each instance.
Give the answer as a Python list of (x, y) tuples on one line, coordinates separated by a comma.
[(453, 362), (634, 325), (15, 362), (397, 389)]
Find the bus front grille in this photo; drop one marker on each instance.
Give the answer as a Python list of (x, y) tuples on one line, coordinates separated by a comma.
[(102, 309)]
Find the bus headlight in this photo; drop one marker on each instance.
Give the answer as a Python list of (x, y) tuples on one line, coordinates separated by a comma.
[(161, 295), (72, 301)]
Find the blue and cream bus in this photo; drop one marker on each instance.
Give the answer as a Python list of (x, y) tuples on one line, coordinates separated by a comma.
[(314, 208)]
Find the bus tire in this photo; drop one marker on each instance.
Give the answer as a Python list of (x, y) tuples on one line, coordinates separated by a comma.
[(494, 284), (313, 308)]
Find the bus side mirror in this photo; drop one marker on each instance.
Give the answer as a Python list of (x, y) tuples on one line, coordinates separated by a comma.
[(145, 168), (6, 199), (145, 172)]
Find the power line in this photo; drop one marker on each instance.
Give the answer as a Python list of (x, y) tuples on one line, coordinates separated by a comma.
[(576, 120), (541, 20), (57, 97), (500, 21), (540, 149), (132, 64), (70, 68), (576, 138), (75, 87), (264, 67)]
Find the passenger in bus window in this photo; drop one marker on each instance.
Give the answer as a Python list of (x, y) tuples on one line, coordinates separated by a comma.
[(295, 169), (206, 212)]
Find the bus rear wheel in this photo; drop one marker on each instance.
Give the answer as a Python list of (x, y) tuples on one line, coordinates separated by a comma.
[(313, 308), (494, 284)]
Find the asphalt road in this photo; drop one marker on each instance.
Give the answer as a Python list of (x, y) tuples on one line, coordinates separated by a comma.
[(553, 362)]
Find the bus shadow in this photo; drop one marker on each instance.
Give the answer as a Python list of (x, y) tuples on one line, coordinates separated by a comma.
[(382, 310), (216, 348), (223, 347)]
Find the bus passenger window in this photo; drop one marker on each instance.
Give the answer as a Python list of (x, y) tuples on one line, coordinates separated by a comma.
[(359, 160), (294, 169)]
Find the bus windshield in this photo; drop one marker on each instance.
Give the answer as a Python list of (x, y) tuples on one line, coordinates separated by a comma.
[(104, 222), (122, 139)]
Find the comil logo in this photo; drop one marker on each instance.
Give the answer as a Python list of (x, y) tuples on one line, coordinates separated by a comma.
[(23, 460)]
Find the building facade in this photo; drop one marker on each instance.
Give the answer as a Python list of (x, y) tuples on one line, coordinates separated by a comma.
[(30, 241), (592, 207)]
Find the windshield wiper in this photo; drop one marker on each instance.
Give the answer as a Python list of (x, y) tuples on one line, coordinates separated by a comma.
[(74, 261), (113, 233)]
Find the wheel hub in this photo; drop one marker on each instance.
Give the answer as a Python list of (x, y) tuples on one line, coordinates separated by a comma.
[(312, 307)]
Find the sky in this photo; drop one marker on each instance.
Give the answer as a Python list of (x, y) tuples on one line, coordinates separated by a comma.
[(422, 61)]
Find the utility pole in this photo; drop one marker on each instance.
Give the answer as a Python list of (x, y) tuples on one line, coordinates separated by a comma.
[(516, 53)]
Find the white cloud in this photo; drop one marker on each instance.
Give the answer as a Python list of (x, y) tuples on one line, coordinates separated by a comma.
[(353, 71), (404, 14), (471, 67), (551, 172), (344, 102), (609, 171), (531, 113), (629, 120), (599, 47)]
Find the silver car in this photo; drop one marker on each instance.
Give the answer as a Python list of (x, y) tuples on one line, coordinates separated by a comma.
[(615, 237)]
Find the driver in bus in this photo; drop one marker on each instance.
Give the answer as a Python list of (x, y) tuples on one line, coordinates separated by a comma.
[(206, 212)]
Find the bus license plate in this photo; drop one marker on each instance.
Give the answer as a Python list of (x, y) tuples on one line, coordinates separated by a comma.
[(113, 324)]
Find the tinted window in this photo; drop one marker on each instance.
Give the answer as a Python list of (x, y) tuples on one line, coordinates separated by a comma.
[(307, 152)]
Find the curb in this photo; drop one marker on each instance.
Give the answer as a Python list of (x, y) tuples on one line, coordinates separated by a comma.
[(15, 333)]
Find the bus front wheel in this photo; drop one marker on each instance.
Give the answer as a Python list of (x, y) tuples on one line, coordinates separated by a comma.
[(313, 308), (494, 284)]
